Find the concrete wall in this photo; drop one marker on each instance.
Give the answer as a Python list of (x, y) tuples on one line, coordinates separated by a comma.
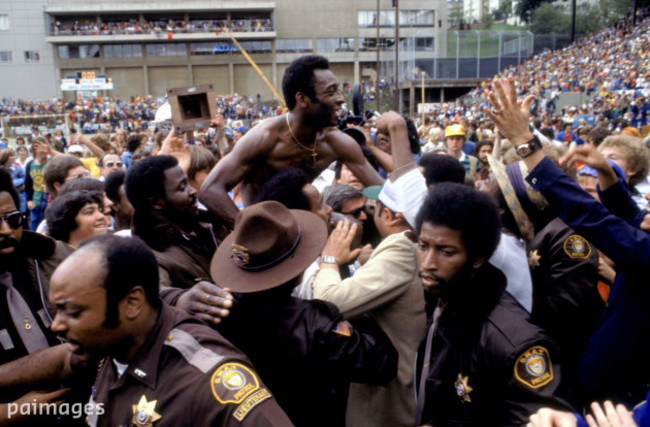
[(19, 78)]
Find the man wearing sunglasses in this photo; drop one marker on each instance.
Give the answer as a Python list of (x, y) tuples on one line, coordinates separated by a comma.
[(109, 163), (27, 261)]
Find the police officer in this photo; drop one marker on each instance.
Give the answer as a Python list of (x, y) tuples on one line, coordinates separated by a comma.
[(482, 361), (161, 367)]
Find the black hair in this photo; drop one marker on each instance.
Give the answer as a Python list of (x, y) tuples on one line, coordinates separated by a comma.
[(337, 195), (133, 142), (56, 170), (112, 183), (548, 132), (481, 144), (463, 208), (61, 213), (414, 137), (299, 77), (286, 187), (146, 180), (128, 262), (88, 184), (7, 184), (440, 168)]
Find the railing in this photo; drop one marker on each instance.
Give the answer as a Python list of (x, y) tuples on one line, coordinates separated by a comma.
[(160, 27)]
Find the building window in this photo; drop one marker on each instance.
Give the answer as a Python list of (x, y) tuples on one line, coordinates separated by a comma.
[(417, 18), (4, 23), (122, 51), (368, 18), (82, 51), (166, 49), (293, 45), (335, 45), (6, 56), (32, 56), (256, 46), (407, 18), (424, 43)]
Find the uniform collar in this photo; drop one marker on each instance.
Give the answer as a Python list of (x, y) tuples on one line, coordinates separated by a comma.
[(144, 366)]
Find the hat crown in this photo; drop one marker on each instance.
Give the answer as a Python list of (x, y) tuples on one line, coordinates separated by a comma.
[(264, 235), (455, 129)]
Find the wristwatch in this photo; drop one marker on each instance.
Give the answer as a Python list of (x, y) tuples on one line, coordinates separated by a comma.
[(329, 259), (526, 149)]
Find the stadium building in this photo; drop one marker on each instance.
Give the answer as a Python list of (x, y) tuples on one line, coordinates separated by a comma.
[(141, 47)]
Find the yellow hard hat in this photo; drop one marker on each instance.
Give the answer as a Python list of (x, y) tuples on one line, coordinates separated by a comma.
[(454, 130)]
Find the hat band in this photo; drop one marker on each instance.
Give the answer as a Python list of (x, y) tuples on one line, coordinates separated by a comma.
[(275, 261)]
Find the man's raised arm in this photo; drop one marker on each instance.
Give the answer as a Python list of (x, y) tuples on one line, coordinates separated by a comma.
[(228, 173), (350, 153)]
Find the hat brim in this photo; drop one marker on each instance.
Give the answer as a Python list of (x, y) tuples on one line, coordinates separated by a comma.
[(227, 274)]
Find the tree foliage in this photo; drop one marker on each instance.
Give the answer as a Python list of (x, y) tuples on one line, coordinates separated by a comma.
[(548, 19), (525, 8)]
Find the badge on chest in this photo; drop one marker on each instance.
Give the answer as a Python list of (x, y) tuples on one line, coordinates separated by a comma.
[(144, 413)]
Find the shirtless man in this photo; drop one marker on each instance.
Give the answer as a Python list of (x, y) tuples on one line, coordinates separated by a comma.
[(305, 138)]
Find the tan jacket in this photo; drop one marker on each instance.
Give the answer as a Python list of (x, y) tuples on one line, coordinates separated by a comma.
[(389, 290)]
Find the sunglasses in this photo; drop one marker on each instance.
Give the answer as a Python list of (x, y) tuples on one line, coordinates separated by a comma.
[(13, 219), (355, 213), (85, 174), (113, 164)]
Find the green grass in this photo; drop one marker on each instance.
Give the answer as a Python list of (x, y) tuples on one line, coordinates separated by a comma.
[(469, 42)]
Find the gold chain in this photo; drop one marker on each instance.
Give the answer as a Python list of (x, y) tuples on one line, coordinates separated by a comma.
[(312, 149)]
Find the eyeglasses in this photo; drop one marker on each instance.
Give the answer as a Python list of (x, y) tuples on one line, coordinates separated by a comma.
[(85, 174), (356, 213), (114, 164), (12, 218)]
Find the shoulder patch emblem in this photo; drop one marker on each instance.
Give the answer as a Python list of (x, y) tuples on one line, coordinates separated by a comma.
[(233, 382), (533, 368), (462, 388), (343, 328), (144, 413), (577, 247)]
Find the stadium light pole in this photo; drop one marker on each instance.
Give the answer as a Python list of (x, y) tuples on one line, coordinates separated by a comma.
[(377, 65), (573, 21), (398, 97)]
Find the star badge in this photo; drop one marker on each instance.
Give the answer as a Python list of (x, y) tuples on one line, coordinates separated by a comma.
[(462, 388), (533, 258), (144, 414)]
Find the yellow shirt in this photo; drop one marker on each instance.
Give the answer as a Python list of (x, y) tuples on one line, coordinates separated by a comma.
[(90, 163)]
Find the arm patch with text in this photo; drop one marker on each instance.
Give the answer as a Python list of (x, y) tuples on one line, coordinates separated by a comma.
[(237, 384), (533, 367)]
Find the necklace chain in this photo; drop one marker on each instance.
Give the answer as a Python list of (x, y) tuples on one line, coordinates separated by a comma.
[(314, 154)]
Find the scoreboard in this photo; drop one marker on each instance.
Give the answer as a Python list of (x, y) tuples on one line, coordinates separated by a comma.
[(86, 80)]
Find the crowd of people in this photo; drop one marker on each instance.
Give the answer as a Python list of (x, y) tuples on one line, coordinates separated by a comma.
[(135, 26), (483, 267)]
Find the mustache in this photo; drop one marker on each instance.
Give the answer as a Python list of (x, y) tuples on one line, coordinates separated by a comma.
[(8, 242)]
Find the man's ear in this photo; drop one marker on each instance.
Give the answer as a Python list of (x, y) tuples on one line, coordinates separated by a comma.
[(56, 186), (397, 218), (302, 99), (133, 302), (156, 204), (478, 262)]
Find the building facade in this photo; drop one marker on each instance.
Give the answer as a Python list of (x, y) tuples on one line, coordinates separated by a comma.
[(144, 47)]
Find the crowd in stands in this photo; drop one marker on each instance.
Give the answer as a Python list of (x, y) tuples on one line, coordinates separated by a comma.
[(134, 26)]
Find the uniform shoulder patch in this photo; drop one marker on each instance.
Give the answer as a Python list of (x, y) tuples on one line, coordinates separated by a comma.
[(343, 328), (232, 382), (577, 247), (533, 367)]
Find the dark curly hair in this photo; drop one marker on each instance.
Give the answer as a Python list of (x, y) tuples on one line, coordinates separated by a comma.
[(286, 187), (7, 184), (299, 77), (62, 212), (461, 207), (440, 168)]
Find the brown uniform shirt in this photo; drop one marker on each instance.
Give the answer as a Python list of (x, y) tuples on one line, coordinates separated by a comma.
[(185, 374)]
